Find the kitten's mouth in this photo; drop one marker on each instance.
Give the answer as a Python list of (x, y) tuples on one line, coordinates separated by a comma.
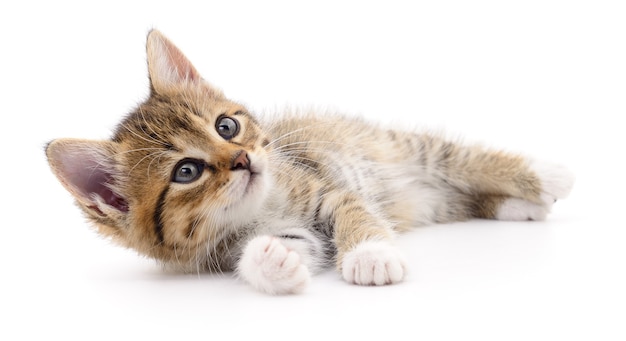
[(249, 181), (253, 179), (250, 185)]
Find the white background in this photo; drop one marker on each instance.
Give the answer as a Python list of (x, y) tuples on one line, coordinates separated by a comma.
[(547, 78)]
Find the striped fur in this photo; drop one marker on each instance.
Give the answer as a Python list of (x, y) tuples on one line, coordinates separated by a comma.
[(287, 194)]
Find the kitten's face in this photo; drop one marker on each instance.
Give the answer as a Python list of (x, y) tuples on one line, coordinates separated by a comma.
[(180, 172), (195, 168)]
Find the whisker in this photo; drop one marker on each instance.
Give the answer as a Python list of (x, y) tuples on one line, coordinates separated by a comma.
[(153, 155), (143, 117), (151, 140), (292, 132), (158, 158), (300, 160), (308, 143)]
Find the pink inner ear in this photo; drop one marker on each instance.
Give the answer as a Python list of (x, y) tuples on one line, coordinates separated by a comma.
[(182, 66), (167, 64), (89, 178)]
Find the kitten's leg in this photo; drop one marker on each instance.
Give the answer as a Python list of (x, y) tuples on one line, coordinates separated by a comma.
[(504, 186), (365, 255), (554, 182)]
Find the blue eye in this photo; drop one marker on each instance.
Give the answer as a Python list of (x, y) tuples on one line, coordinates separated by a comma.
[(227, 127), (187, 171)]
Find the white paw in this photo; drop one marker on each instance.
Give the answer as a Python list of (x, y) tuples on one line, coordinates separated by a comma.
[(515, 209), (271, 267), (556, 181), (373, 263)]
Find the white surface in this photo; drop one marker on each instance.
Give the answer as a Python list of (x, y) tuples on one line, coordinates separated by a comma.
[(543, 77)]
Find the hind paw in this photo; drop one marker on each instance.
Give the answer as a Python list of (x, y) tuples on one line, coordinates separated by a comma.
[(556, 181), (515, 209)]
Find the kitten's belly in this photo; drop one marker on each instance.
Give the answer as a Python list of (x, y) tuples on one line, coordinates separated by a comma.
[(406, 195), (417, 204)]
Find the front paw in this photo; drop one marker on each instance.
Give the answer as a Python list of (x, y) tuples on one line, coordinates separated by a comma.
[(271, 267), (373, 263)]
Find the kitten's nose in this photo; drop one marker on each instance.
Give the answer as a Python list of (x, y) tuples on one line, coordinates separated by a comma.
[(241, 161)]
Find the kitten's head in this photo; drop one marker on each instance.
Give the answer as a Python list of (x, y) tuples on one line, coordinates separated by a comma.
[(180, 173)]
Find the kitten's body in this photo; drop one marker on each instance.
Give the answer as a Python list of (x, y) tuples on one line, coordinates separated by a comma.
[(192, 179)]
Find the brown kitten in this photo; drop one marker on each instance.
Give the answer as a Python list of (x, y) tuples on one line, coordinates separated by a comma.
[(194, 180)]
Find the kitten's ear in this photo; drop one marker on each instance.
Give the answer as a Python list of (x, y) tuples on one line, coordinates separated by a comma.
[(86, 169), (169, 68)]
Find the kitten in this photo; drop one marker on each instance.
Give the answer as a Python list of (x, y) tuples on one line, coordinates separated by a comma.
[(194, 180)]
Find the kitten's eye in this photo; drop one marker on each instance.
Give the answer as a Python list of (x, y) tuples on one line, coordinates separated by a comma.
[(187, 171), (227, 127)]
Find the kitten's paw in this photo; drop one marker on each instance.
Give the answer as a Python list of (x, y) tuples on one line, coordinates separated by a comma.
[(373, 263), (556, 181), (271, 267), (515, 209)]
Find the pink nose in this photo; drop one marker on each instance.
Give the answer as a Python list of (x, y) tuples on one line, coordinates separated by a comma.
[(241, 161)]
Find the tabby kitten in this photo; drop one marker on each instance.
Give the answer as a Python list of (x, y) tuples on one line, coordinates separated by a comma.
[(194, 180)]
